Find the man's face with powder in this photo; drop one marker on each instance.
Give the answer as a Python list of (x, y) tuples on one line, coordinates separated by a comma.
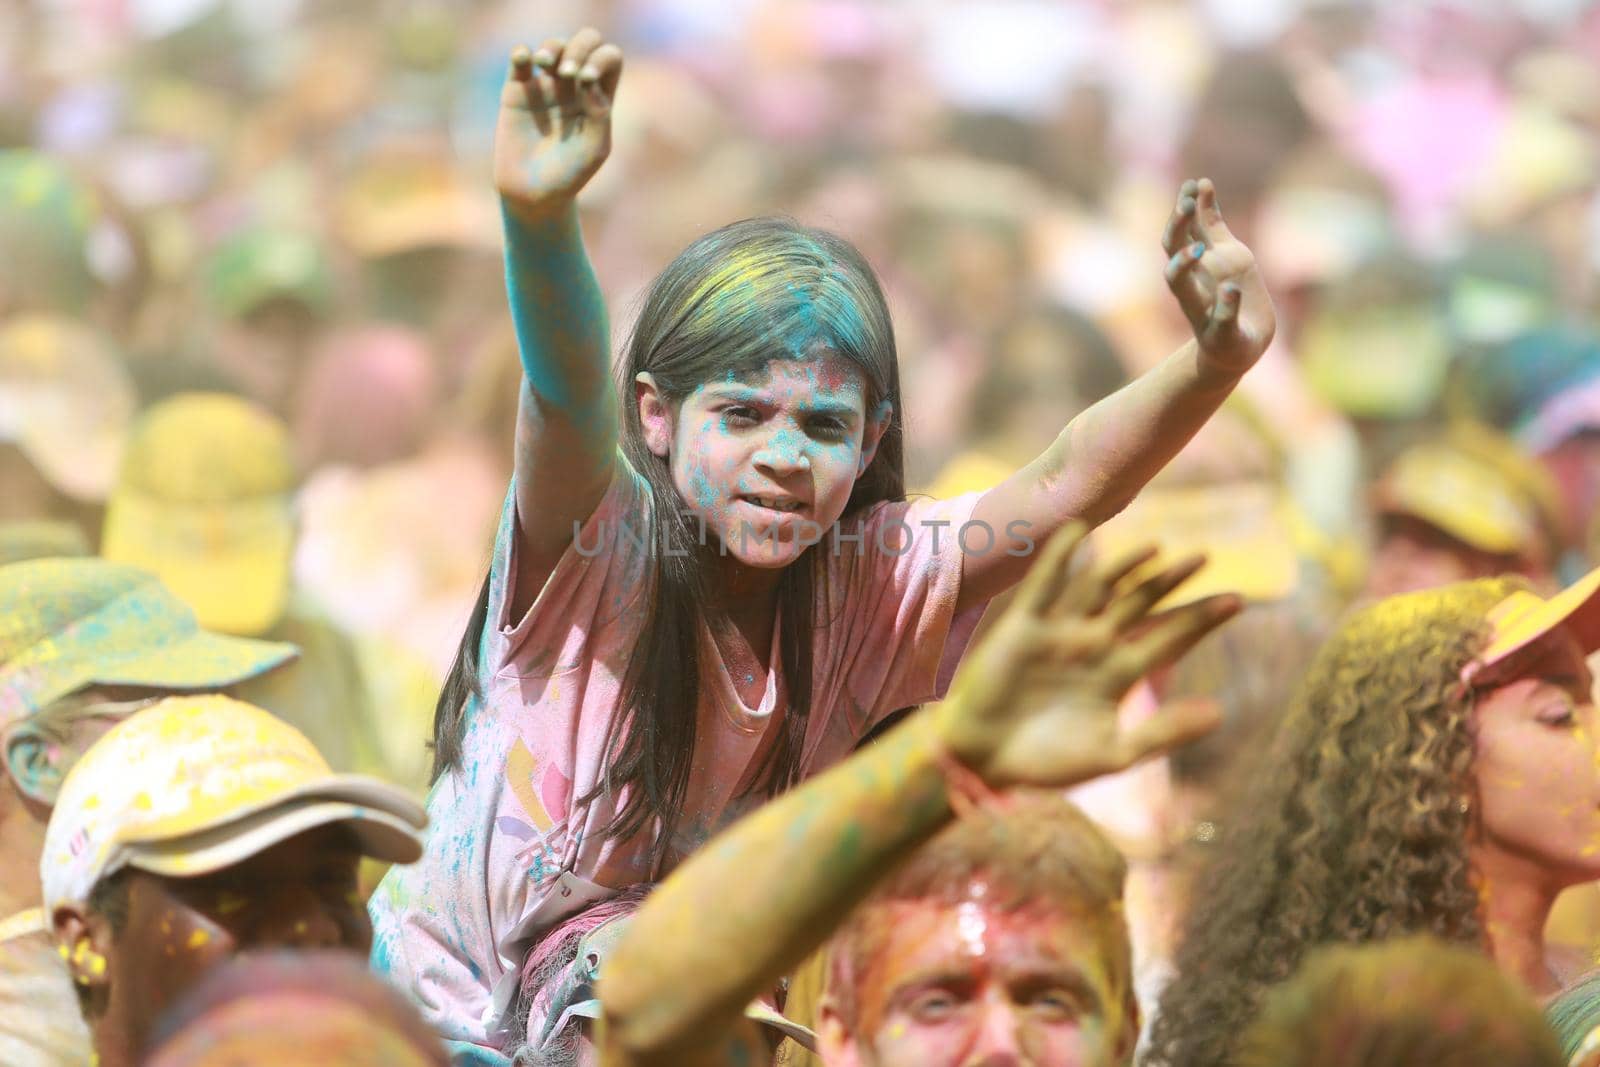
[(163, 934), (977, 985)]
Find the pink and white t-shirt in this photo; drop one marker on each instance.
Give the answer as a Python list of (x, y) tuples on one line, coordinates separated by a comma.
[(510, 851)]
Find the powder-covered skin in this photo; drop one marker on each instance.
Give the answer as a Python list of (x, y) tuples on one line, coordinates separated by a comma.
[(299, 894), (1537, 774), (792, 433), (1034, 704), (971, 982), (508, 854)]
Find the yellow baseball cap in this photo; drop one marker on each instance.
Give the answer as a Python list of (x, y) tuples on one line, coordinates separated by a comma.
[(205, 503), (1477, 487), (1523, 618), (194, 784), (1244, 529)]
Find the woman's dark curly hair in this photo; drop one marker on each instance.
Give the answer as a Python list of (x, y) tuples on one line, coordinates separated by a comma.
[(1356, 829)]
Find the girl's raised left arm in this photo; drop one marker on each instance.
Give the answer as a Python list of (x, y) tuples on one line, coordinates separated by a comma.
[(1098, 464)]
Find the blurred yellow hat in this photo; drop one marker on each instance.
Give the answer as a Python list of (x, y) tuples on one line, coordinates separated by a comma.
[(205, 502), (1245, 529), (66, 401), (405, 203), (1476, 486)]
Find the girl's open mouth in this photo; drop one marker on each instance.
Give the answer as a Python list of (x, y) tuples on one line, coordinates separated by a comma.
[(782, 505)]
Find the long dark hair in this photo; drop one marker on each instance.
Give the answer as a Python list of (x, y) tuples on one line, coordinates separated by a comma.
[(1357, 830), (735, 299)]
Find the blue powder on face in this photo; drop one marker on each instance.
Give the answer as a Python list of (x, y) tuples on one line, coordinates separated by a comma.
[(705, 493)]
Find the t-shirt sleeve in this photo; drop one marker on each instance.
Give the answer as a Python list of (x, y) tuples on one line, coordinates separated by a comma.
[(900, 637)]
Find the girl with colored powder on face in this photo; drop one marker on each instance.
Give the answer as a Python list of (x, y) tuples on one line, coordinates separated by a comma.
[(712, 589)]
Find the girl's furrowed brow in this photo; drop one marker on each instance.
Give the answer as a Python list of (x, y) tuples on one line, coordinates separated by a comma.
[(736, 392)]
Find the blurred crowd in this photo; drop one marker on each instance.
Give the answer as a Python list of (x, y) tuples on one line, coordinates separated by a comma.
[(254, 336)]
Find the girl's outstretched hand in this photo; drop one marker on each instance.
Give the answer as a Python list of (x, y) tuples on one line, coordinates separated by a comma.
[(1036, 702), (1215, 279), (554, 128)]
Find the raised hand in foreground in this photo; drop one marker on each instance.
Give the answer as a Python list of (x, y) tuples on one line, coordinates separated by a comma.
[(1034, 704)]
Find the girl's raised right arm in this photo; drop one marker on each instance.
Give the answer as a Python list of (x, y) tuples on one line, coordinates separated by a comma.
[(553, 133)]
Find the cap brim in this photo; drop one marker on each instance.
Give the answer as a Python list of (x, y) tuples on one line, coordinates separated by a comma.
[(1524, 618), (1473, 529), (386, 821), (203, 661)]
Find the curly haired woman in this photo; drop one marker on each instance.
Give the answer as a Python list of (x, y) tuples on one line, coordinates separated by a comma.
[(1436, 774)]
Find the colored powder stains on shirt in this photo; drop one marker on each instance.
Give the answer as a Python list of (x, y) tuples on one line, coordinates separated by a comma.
[(511, 852), (522, 771)]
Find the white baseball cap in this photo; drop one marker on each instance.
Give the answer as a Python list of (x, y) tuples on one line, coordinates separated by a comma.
[(194, 784)]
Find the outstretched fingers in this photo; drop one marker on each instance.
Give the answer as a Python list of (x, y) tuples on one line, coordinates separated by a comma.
[(1048, 578), (598, 79), (1180, 223), (572, 76), (1208, 215), (1224, 317), (1099, 586), (1129, 606), (1184, 247), (1172, 726), (1167, 635)]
